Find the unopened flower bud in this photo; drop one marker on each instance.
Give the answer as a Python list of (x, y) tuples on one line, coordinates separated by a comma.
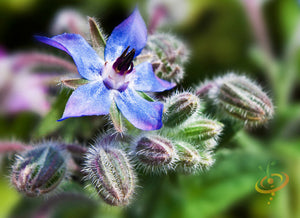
[(241, 99), (206, 160), (153, 152), (167, 55), (180, 107), (188, 157), (39, 170), (208, 144), (201, 129), (111, 173)]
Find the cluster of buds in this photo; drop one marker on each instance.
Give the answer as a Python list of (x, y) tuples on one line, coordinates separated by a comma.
[(39, 170), (238, 98), (185, 143), (167, 55)]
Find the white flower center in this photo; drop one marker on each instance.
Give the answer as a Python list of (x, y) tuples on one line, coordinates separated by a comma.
[(113, 79)]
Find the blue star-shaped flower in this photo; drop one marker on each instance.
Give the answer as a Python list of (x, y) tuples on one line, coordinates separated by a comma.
[(115, 78)]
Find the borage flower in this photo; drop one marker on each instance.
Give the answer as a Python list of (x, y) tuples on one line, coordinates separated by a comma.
[(115, 78)]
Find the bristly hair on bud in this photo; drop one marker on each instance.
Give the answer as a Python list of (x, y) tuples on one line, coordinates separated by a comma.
[(237, 97), (200, 129), (207, 159), (39, 170), (167, 55), (179, 107), (189, 159), (153, 153), (110, 171)]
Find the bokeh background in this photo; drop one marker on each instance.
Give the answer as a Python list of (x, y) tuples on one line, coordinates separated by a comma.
[(260, 38)]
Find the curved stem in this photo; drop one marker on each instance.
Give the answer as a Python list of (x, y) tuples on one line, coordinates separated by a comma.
[(6, 147), (254, 13), (158, 14), (33, 59)]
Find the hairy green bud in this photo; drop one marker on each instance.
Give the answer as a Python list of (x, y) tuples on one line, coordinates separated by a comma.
[(201, 129), (39, 170), (111, 173), (207, 159), (208, 144), (154, 153), (239, 98), (188, 157), (180, 107)]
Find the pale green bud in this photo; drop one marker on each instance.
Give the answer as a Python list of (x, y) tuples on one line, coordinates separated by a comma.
[(188, 157), (179, 108), (200, 129), (207, 159)]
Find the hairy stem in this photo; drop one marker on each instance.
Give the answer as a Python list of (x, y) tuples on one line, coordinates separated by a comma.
[(34, 59)]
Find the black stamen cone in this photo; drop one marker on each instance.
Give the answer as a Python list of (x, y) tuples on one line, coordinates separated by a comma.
[(124, 61)]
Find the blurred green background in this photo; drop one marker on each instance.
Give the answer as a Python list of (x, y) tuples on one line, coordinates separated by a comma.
[(222, 38)]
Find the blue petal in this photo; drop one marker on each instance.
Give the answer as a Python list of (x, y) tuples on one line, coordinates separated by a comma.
[(131, 32), (88, 63), (87, 100), (145, 80), (142, 114)]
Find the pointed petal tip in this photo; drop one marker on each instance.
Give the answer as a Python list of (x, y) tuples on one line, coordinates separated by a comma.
[(72, 116), (62, 119), (173, 85), (85, 57), (131, 32), (37, 37)]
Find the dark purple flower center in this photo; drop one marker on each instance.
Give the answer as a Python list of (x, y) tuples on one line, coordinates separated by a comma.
[(123, 64)]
